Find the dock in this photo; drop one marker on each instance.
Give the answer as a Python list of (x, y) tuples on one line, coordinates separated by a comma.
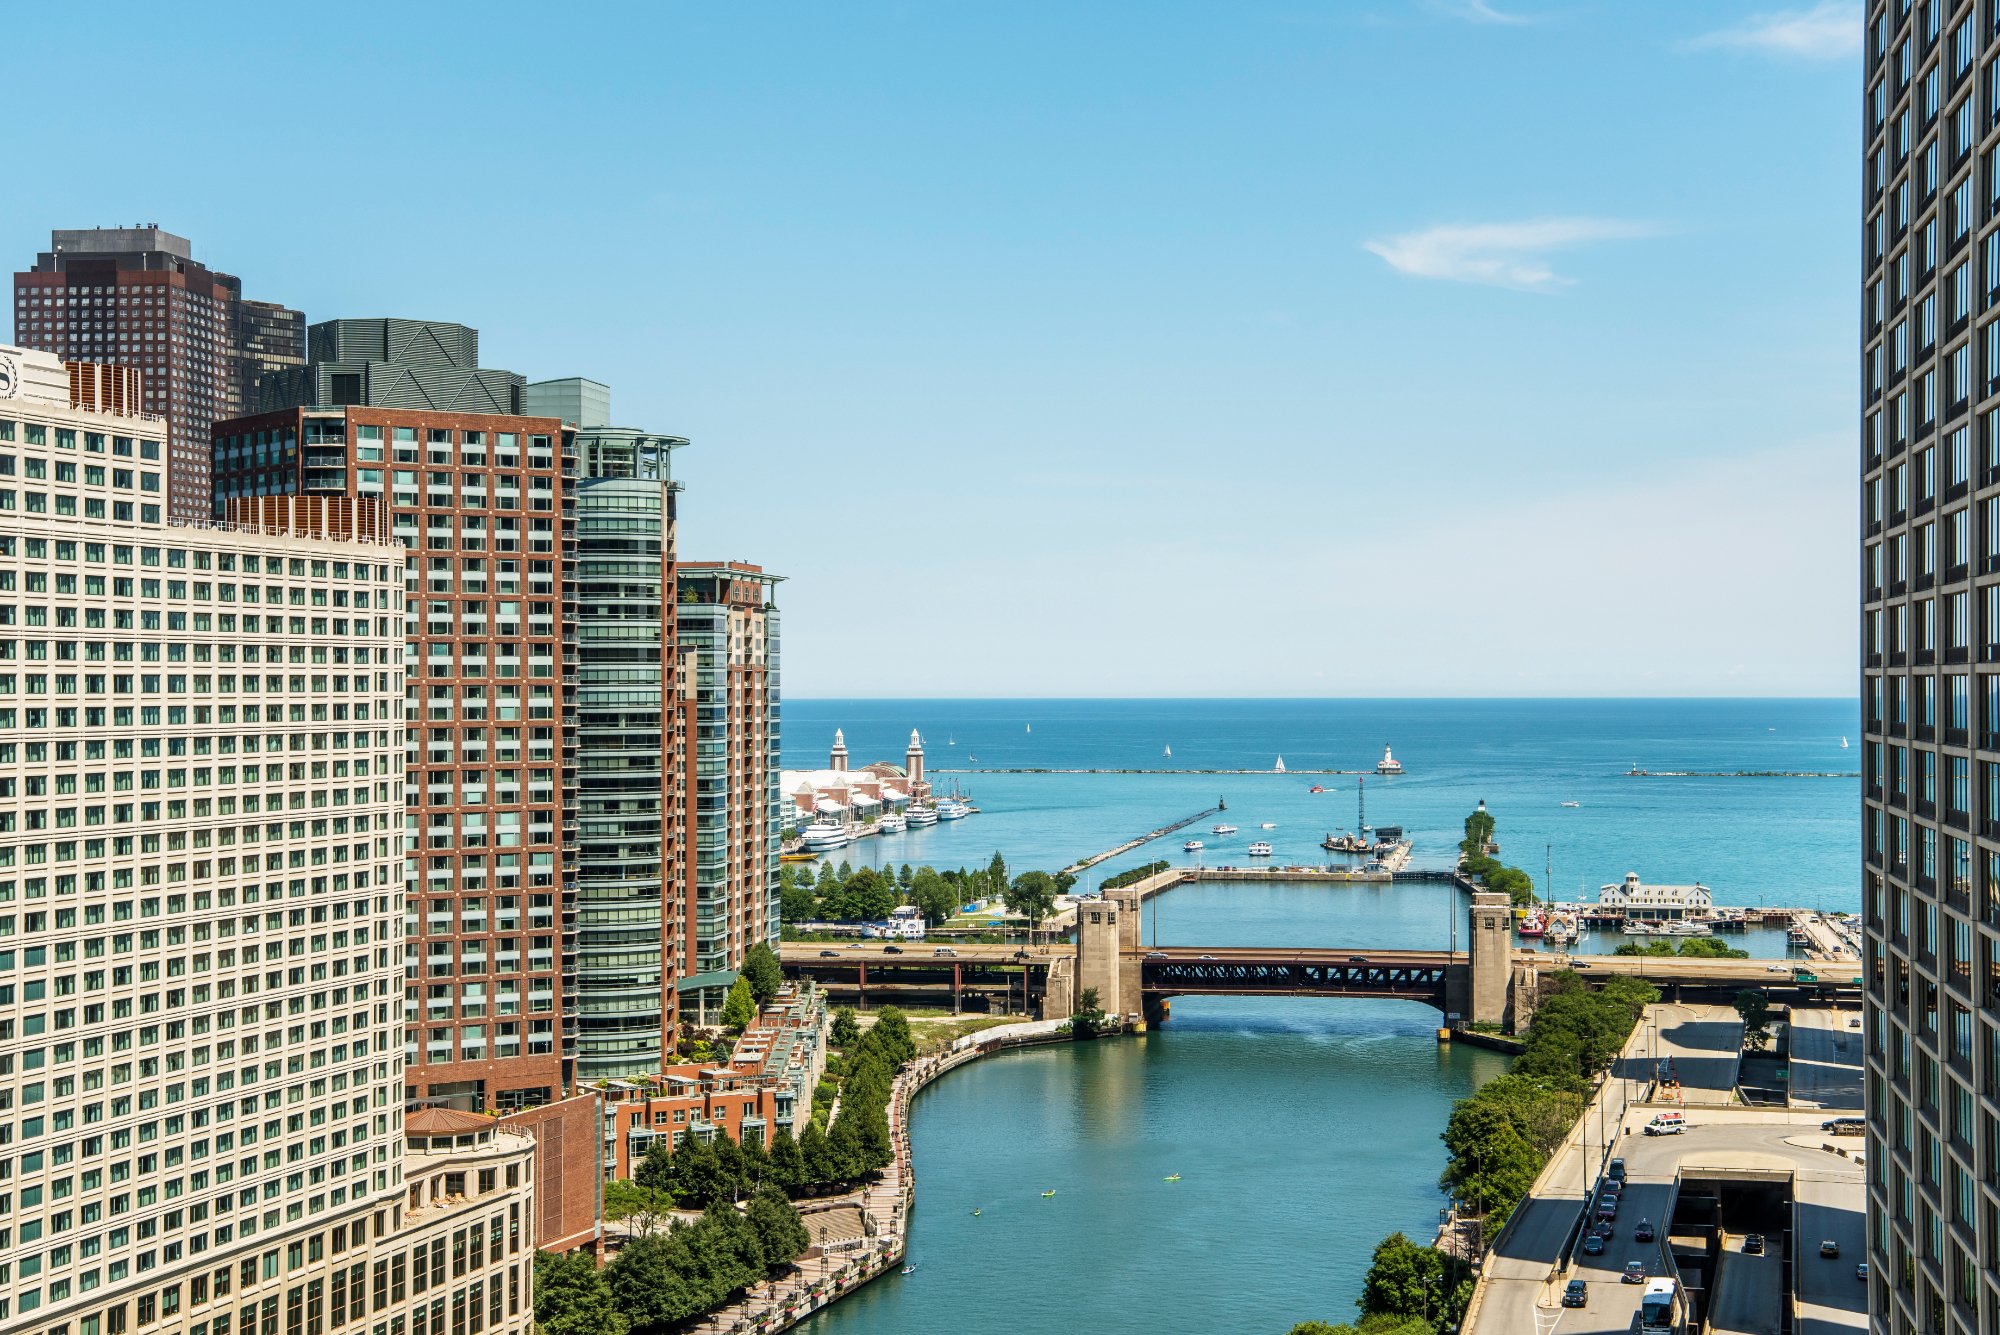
[(1741, 774), (1046, 769), (1141, 841)]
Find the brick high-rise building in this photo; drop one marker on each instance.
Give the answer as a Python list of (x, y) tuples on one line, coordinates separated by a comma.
[(135, 297), (1930, 671)]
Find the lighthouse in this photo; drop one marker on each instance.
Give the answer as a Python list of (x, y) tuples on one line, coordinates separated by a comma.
[(837, 760), (913, 760)]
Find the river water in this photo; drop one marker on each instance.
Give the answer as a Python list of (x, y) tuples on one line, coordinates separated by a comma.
[(1303, 1129)]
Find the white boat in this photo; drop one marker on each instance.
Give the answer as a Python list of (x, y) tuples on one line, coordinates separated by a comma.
[(921, 816), (1169, 753), (1388, 764), (1572, 804), (1260, 849), (823, 835), (1268, 825), (1223, 829), (1191, 846), (892, 822), (1843, 743), (950, 809), (1280, 767)]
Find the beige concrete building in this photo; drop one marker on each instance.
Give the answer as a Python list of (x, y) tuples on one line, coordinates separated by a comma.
[(201, 902)]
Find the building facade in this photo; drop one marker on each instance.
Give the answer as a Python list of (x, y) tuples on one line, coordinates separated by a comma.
[(728, 635), (630, 866), (422, 365), (135, 297), (1930, 673), (482, 505), (201, 765)]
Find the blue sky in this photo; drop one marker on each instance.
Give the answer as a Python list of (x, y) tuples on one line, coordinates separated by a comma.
[(1360, 347)]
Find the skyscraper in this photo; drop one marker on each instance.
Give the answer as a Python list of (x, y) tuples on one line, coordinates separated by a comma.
[(728, 635), (134, 296), (1930, 444)]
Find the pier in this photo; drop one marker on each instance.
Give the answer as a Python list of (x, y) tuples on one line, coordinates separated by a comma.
[(1139, 842), (1047, 769), (1741, 774)]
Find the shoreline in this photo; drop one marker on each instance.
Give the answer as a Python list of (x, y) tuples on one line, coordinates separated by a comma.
[(766, 1310)]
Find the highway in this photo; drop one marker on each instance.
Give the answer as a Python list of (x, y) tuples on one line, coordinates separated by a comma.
[(1825, 1063), (1699, 1046), (1749, 1291), (1750, 973), (1832, 1299)]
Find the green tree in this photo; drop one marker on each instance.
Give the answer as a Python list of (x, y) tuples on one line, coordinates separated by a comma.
[(643, 1209), (866, 896), (766, 975), (572, 1297), (1648, 949), (1514, 883), (1403, 1279), (996, 873), (1088, 1019), (1755, 1007), (904, 876), (649, 1281), (698, 1178), (821, 1166), (655, 1172), (788, 1165), (797, 902), (739, 1010), (1320, 1328), (1711, 948), (1032, 895), (828, 882), (780, 1232), (891, 1035), (936, 898), (845, 1029)]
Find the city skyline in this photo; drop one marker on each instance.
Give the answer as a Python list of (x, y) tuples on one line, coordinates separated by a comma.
[(1100, 303)]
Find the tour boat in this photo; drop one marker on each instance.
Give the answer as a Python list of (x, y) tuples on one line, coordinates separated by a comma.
[(824, 835), (1388, 764), (1347, 843), (921, 816), (1260, 849), (1191, 846), (952, 809), (893, 822), (1223, 829)]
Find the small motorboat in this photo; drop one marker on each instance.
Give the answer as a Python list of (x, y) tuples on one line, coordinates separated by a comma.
[(910, 1269), (1260, 849), (975, 1213), (1316, 789), (1223, 829), (1047, 1194), (1572, 804), (1268, 825), (1191, 846), (1173, 1177)]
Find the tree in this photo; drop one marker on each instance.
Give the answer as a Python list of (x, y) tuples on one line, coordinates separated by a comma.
[(1088, 1019), (1403, 1279), (1514, 883), (656, 1171), (779, 1230), (788, 1165), (904, 876), (996, 873), (643, 1209), (1319, 1328), (1712, 948), (1755, 1008), (1032, 895), (766, 975), (698, 1178), (935, 897), (821, 1167), (828, 882), (649, 1281), (739, 1010), (845, 1028), (797, 903), (572, 1297)]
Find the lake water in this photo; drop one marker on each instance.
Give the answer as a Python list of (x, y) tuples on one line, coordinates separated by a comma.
[(1304, 1130)]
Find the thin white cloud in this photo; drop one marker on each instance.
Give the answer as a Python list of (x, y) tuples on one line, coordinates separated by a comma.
[(1830, 30), (1479, 11), (1509, 254)]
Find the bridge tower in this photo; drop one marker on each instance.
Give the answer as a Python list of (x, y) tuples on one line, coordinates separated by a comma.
[(1100, 955), (1489, 959)]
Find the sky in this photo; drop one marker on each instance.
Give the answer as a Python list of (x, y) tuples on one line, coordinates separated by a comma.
[(1349, 348)]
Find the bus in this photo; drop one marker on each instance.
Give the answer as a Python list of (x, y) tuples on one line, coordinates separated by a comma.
[(1661, 1311)]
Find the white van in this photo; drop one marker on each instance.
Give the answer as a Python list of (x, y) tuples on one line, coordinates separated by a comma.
[(1666, 1124)]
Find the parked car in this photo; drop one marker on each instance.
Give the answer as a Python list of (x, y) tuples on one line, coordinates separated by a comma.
[(1593, 1245), (1830, 1250), (1644, 1232), (1575, 1294), (829, 954), (1635, 1272), (1753, 1244)]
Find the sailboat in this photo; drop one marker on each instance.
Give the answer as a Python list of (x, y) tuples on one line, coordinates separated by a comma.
[(1031, 727), (1843, 743), (1170, 753), (1280, 767), (951, 741)]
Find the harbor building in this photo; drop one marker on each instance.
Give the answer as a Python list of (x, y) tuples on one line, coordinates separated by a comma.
[(135, 297), (728, 634), (201, 775), (631, 869), (1930, 663), (851, 798), (484, 507), (1635, 901)]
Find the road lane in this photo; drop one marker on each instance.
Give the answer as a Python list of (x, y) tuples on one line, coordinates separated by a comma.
[(1825, 1063)]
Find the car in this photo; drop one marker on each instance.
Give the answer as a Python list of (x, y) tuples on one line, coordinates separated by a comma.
[(1665, 1128), (1614, 1185), (1575, 1294), (1357, 959), (1861, 1272), (1635, 1272), (1593, 1245), (1024, 955), (1829, 1250), (1644, 1231), (854, 946), (1776, 968), (892, 950), (1580, 964), (1156, 954), (1601, 1229), (1753, 1244), (1855, 1023), (1208, 957), (1607, 1207), (1615, 1170), (829, 954), (1844, 1126), (944, 950)]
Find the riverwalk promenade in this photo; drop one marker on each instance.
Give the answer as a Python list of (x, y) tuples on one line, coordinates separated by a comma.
[(884, 1205)]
